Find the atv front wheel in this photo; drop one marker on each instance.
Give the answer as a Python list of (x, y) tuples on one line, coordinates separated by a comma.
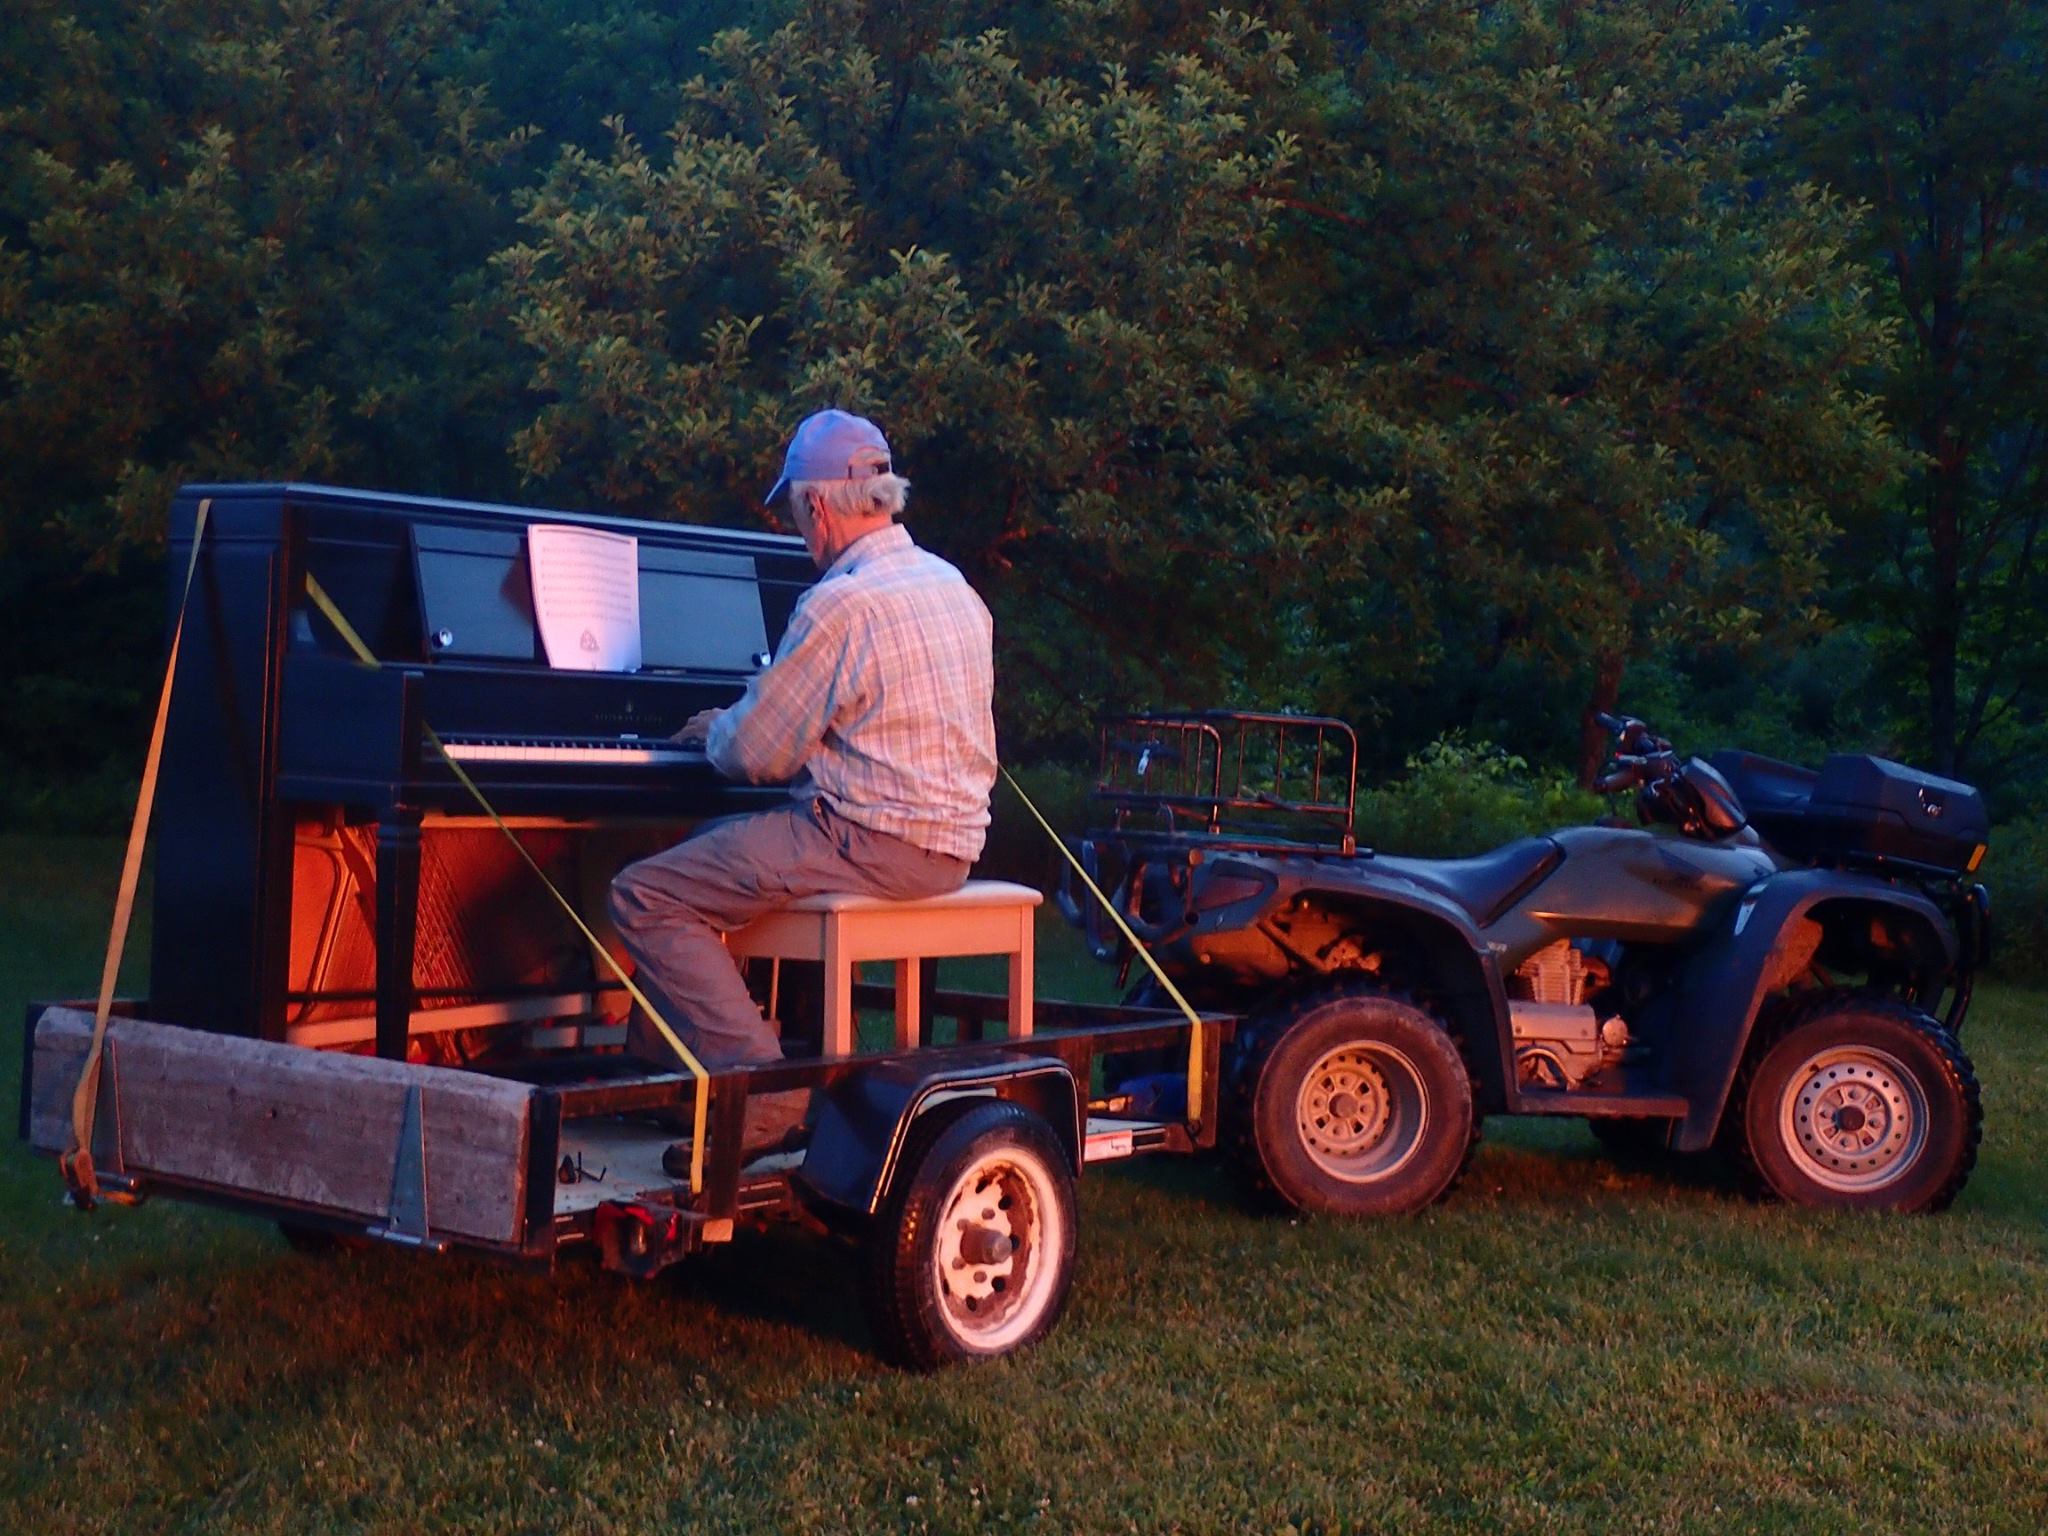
[(1860, 1101), (1355, 1102)]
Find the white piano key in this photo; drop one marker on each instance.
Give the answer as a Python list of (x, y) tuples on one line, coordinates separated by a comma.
[(623, 753)]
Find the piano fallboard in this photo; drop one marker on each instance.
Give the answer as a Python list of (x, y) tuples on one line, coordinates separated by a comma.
[(350, 735)]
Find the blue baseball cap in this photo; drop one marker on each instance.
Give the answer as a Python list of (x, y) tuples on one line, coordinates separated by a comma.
[(833, 445)]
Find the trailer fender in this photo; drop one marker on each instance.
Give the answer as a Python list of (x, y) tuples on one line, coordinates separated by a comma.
[(864, 1120), (1713, 1007)]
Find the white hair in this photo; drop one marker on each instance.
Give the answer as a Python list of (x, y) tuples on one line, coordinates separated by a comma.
[(876, 496)]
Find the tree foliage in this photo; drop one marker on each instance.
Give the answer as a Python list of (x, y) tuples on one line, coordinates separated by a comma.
[(1031, 269), (1930, 112), (1614, 361), (1231, 357), (237, 235), (242, 239), (1440, 365), (234, 239)]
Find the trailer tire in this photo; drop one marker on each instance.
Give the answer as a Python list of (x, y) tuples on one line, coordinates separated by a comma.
[(972, 1253), (1854, 1100), (1356, 1101)]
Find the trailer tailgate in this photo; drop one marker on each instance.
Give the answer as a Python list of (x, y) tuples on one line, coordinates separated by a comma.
[(434, 1152)]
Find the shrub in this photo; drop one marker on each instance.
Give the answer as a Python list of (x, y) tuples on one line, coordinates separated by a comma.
[(1458, 797), (1462, 797), (95, 802), (1018, 848), (2016, 870)]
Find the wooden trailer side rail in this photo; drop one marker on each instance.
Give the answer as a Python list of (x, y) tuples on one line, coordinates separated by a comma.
[(428, 1152)]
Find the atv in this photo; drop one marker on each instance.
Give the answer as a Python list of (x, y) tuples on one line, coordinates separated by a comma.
[(1775, 961)]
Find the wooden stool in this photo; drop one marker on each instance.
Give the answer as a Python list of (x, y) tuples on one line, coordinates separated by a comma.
[(983, 917)]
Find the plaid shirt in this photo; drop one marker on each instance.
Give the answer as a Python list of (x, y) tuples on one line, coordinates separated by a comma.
[(880, 699)]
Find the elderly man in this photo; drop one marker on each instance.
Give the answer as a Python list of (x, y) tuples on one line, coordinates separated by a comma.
[(877, 708)]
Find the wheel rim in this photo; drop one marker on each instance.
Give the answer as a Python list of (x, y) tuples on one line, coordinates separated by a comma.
[(1854, 1118), (1362, 1112), (995, 1264)]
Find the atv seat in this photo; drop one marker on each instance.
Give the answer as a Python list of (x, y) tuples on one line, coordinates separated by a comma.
[(1485, 886)]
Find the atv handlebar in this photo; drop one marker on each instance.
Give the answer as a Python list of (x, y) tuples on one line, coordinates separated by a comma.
[(1645, 763), (1641, 757), (1632, 737), (1626, 774)]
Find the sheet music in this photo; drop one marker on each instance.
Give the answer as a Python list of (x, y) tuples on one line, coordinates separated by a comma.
[(586, 597)]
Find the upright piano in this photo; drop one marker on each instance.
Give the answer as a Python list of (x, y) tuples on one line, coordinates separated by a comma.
[(321, 874)]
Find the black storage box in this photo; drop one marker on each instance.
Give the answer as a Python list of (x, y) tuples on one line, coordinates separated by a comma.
[(1860, 808), (1872, 806)]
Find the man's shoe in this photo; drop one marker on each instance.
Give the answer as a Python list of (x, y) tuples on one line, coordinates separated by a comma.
[(776, 1123), (675, 1158)]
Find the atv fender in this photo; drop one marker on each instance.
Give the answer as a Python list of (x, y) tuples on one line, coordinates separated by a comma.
[(1463, 971), (1713, 1006)]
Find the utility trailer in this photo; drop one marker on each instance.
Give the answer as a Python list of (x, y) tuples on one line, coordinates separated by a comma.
[(364, 1016), (951, 1166)]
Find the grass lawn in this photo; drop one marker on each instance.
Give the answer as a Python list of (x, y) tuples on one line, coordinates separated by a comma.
[(1559, 1347)]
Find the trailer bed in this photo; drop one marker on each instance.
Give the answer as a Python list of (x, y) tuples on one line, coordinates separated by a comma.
[(526, 1157)]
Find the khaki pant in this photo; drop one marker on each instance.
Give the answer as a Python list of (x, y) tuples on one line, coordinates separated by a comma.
[(670, 910)]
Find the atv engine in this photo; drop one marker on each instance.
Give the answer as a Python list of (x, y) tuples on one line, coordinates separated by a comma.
[(1560, 1040)]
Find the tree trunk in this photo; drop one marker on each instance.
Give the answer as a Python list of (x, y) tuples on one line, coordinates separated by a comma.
[(1594, 741), (1944, 609), (1941, 436)]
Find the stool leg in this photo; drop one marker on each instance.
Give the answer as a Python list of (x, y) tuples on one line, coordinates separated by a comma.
[(838, 993), (908, 1005), (1022, 969)]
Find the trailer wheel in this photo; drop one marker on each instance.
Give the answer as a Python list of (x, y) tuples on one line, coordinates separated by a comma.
[(972, 1254), (1858, 1101), (1355, 1102)]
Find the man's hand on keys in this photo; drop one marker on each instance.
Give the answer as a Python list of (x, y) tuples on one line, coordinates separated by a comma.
[(696, 728)]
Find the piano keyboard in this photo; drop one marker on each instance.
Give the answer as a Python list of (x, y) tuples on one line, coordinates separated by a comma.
[(621, 752)]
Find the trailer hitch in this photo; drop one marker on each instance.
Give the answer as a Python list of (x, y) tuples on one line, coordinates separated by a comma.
[(642, 1238)]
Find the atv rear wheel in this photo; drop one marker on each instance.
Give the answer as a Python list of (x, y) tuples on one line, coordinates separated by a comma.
[(1859, 1101), (1355, 1102)]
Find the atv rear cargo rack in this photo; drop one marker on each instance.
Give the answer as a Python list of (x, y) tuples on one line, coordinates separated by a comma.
[(1231, 778)]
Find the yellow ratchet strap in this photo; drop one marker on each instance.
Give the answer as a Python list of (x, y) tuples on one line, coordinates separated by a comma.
[(1194, 1019), (354, 641), (76, 1162)]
